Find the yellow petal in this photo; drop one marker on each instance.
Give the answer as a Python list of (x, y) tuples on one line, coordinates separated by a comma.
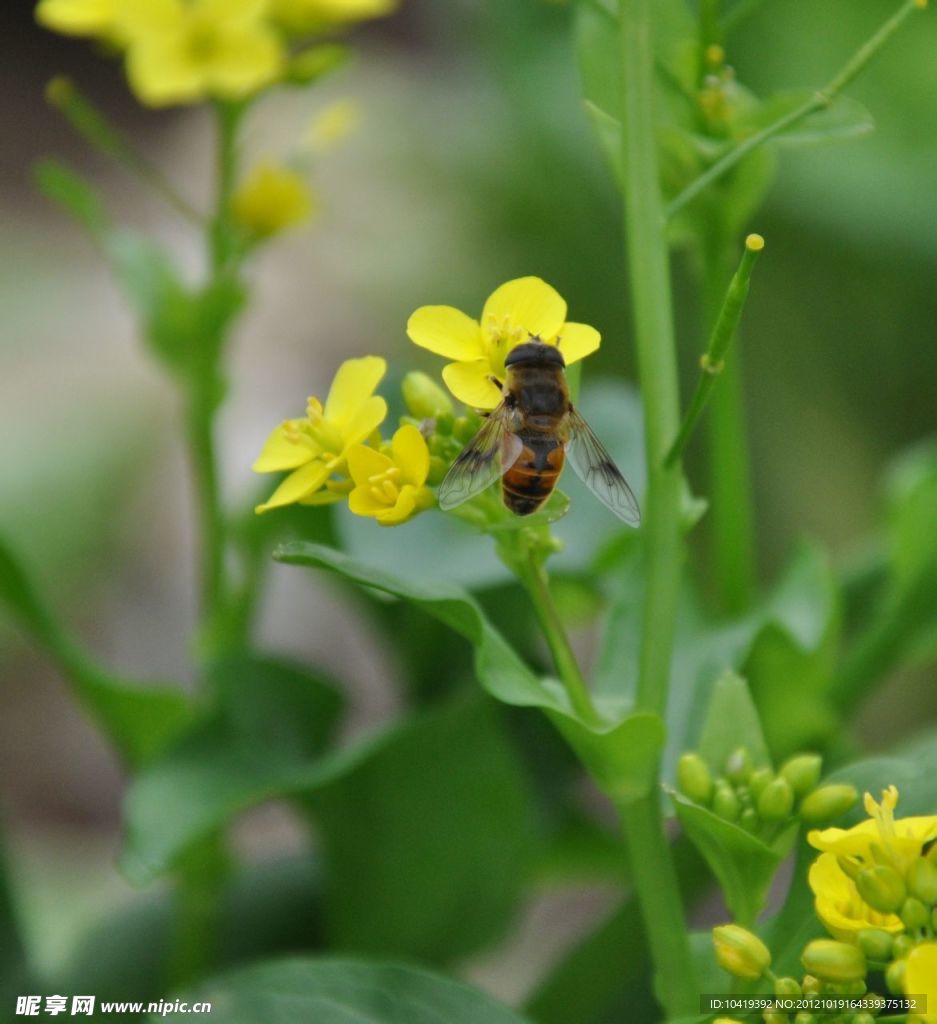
[(280, 453), (245, 60), (363, 463), (231, 11), (161, 72), (403, 508), (365, 421), (838, 904), (322, 498), (298, 485), (411, 455), (354, 383), (142, 19), (447, 331), (578, 341), (362, 502), (470, 384), (528, 302), (76, 17), (921, 979)]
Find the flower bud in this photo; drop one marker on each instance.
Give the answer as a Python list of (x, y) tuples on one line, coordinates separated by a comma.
[(875, 943), (827, 803), (812, 986), (740, 952), (894, 976), (694, 778), (424, 397), (775, 1018), (758, 779), (914, 914), (464, 429), (805, 1018), (776, 801), (739, 765), (922, 880), (901, 946), (749, 819), (786, 987), (725, 802), (863, 1018), (882, 888), (803, 772), (833, 961), (437, 470)]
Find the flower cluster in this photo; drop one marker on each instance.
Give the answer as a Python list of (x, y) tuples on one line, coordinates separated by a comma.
[(184, 51)]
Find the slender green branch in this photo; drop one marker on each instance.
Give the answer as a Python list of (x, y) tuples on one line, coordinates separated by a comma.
[(820, 100), (712, 361), (649, 271), (94, 127)]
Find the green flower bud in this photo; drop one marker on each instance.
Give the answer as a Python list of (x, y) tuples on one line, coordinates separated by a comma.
[(725, 802), (894, 976), (775, 1018), (786, 987), (805, 1018), (901, 946), (833, 961), (854, 988), (776, 801), (424, 397), (437, 470), (749, 819), (740, 952), (739, 765), (914, 914), (882, 888), (758, 779), (922, 880), (463, 429), (863, 1018), (812, 986), (803, 772), (876, 944), (828, 803), (933, 919), (694, 778)]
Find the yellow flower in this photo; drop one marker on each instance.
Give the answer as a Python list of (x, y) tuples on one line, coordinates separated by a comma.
[(391, 488), (271, 199), (518, 310), (77, 17), (920, 979), (309, 15), (182, 51), (316, 448), (881, 840)]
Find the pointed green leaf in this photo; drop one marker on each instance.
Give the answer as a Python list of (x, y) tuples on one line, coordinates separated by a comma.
[(731, 722), (845, 118)]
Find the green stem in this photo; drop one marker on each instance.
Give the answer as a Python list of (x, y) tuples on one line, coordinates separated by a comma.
[(655, 879), (820, 100)]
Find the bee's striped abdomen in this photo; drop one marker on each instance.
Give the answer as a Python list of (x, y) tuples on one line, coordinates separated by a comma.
[(530, 481)]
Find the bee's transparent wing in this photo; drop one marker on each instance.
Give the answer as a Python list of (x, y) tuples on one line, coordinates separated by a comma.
[(597, 470), (491, 452)]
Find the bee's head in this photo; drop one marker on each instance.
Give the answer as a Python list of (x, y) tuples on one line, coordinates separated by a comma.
[(535, 353)]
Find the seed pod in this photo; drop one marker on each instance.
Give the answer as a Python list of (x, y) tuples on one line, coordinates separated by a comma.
[(776, 801), (803, 772), (876, 944), (882, 888), (827, 803), (833, 961), (694, 778), (740, 952)]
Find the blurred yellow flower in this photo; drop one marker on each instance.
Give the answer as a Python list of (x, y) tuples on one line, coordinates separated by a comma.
[(920, 979), (332, 125), (309, 15), (316, 448), (272, 199), (77, 17), (518, 310), (391, 487), (182, 51)]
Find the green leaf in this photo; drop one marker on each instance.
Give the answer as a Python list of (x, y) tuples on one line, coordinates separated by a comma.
[(731, 722), (140, 720), (272, 719), (334, 991), (443, 807), (620, 750), (845, 118)]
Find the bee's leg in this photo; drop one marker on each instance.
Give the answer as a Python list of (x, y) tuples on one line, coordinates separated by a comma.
[(497, 383)]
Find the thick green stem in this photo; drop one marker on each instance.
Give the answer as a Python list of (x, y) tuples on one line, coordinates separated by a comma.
[(649, 271), (821, 99)]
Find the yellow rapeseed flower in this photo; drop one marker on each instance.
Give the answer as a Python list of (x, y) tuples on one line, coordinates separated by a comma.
[(920, 979), (838, 904), (272, 199), (518, 310), (391, 487), (301, 16), (182, 51), (78, 17), (316, 448)]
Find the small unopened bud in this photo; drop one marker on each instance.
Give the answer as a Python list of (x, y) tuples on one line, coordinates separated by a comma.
[(463, 429), (901, 946), (424, 397), (805, 1018), (802, 772), (739, 765), (914, 914), (882, 888), (875, 943), (828, 803), (894, 976), (725, 802), (863, 1018), (758, 779), (740, 952), (812, 986), (786, 987), (833, 961), (694, 778), (922, 880), (749, 819), (776, 801), (437, 470)]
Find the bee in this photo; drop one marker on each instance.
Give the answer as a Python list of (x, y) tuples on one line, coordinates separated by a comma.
[(525, 441)]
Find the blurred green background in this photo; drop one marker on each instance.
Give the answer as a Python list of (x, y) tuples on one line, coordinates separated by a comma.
[(473, 163)]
